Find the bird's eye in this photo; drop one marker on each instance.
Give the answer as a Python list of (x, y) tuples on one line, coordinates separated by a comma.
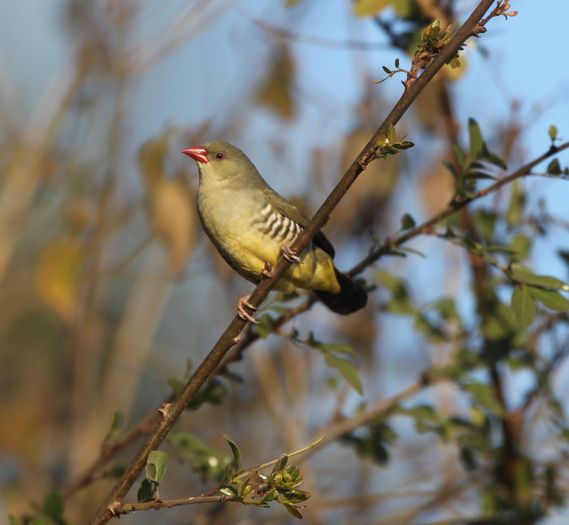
[(219, 156)]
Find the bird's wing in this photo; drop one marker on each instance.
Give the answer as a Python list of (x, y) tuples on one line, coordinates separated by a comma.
[(286, 209)]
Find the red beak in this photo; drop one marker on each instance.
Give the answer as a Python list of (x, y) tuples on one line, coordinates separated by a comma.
[(198, 154)]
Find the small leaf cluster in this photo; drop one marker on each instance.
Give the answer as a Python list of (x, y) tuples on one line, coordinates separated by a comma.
[(155, 472), (433, 39), (392, 72), (389, 144), (531, 289), (475, 164), (251, 487)]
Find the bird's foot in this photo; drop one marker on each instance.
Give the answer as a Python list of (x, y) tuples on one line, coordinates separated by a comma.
[(242, 306), (289, 254), (267, 270)]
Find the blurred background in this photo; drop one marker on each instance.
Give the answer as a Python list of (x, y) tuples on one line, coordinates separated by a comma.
[(110, 291)]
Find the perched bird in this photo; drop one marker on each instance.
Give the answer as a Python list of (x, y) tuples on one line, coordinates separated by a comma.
[(250, 224)]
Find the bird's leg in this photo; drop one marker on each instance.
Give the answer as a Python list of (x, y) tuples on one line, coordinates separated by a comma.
[(289, 254), (267, 270), (242, 307)]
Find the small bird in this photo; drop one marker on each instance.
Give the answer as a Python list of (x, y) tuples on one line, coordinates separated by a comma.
[(250, 224)]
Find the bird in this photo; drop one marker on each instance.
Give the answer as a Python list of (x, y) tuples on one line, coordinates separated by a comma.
[(250, 225)]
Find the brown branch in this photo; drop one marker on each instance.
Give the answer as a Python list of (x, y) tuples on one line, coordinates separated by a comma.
[(127, 508), (228, 339)]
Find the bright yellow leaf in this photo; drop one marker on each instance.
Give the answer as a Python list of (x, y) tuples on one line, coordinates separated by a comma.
[(370, 7), (58, 273)]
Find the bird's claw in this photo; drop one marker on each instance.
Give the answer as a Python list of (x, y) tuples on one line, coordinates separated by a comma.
[(267, 270), (289, 254), (242, 306)]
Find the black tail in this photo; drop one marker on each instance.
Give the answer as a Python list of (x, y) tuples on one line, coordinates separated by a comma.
[(352, 296)]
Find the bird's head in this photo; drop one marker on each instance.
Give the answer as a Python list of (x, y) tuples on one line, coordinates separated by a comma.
[(221, 162)]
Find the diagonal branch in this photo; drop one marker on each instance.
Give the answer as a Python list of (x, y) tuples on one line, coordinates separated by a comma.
[(171, 412)]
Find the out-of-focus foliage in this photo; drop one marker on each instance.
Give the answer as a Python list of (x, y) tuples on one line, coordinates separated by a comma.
[(445, 398)]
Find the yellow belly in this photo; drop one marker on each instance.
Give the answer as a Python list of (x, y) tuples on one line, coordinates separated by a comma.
[(248, 252)]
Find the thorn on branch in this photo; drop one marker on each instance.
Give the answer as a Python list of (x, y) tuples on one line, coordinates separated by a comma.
[(113, 508), (164, 410)]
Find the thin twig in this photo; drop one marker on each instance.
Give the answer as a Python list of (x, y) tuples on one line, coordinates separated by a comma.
[(127, 508), (314, 40)]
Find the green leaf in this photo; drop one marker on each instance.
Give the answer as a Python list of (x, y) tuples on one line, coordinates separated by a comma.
[(236, 463), (554, 168), (485, 221), (53, 506), (446, 307), (339, 348), (213, 392), (550, 299), (210, 462), (516, 206), (552, 131), (370, 7), (116, 425), (266, 325), (407, 222), (293, 510), (156, 465), (484, 395), (501, 324), (495, 159), (393, 283), (434, 333), (424, 416), (460, 155), (347, 370), (468, 459), (176, 384), (478, 175), (523, 305), (280, 464), (404, 8), (477, 145), (146, 491), (525, 275), (521, 246)]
